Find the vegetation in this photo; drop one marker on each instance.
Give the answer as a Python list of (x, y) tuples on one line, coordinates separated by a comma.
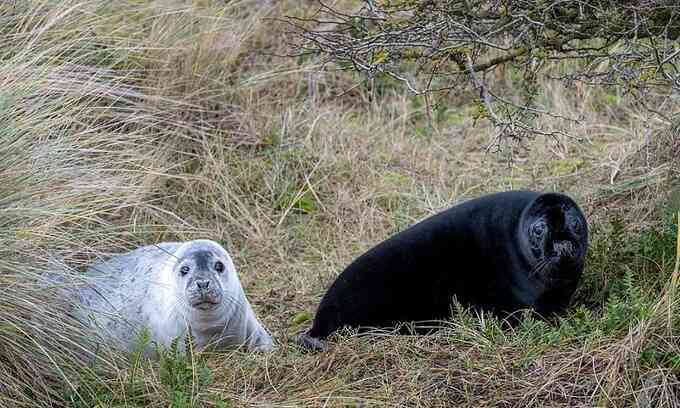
[(439, 46), (134, 122)]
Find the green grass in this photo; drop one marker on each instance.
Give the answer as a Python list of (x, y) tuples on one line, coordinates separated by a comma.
[(182, 376), (154, 121)]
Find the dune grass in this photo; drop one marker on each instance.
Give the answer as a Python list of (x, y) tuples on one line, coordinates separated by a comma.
[(132, 122)]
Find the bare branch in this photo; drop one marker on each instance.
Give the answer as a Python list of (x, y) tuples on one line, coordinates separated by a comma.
[(437, 45)]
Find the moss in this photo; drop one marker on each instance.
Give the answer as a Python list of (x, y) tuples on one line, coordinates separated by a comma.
[(565, 166)]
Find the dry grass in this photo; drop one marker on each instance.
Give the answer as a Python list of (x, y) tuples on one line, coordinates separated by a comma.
[(136, 122)]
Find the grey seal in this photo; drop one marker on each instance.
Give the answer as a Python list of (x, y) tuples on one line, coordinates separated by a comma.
[(499, 253), (167, 289)]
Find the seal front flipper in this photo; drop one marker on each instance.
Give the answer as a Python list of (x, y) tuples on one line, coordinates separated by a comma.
[(258, 338), (305, 340)]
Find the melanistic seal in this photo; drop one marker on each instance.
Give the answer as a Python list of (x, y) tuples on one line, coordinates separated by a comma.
[(499, 253), (168, 288)]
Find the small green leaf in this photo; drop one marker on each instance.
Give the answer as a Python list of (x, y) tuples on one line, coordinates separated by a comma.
[(302, 317)]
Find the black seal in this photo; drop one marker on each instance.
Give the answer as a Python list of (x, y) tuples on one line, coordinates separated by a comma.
[(499, 253)]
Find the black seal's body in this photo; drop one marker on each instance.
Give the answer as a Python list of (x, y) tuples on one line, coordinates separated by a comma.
[(498, 253)]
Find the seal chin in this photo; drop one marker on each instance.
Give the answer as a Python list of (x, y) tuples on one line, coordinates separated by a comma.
[(560, 269)]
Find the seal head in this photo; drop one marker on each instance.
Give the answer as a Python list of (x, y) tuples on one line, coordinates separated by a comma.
[(202, 272), (553, 235), (555, 230)]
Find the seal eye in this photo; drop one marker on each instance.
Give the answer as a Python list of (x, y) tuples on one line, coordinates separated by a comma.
[(184, 270), (538, 229), (575, 225), (219, 266)]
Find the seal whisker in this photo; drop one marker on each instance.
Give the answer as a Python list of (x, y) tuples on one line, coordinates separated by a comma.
[(540, 267)]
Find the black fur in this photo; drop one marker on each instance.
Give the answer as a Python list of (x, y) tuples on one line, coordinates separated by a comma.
[(499, 253)]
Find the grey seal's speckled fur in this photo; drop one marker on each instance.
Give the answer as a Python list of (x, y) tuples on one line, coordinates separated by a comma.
[(168, 288)]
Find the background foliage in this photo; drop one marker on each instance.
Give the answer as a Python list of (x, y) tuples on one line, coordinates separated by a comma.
[(432, 46)]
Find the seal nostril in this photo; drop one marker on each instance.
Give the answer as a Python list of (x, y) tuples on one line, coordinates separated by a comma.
[(203, 284)]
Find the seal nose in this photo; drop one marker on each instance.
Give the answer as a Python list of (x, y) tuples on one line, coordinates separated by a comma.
[(203, 284)]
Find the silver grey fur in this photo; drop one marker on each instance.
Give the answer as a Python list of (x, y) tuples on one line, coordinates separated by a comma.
[(145, 288)]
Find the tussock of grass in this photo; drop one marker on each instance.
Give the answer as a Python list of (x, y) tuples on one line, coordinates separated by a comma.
[(136, 122), (81, 149)]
